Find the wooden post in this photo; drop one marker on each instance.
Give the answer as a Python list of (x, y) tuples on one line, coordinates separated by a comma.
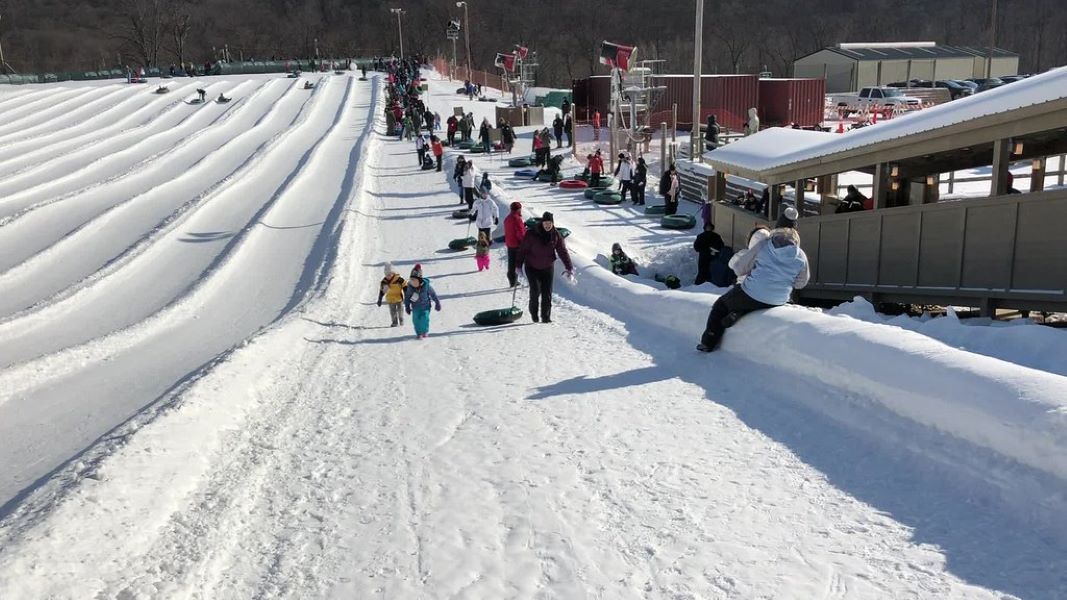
[(799, 189), (951, 181), (1037, 174), (932, 189), (775, 202), (880, 192), (674, 123), (718, 184), (663, 148), (1001, 162), (1063, 168)]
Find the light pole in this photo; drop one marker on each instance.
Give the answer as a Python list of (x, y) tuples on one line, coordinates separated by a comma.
[(399, 29), (992, 42), (3, 64), (467, 32), (696, 145)]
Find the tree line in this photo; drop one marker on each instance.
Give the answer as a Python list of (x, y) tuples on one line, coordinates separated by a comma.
[(739, 36)]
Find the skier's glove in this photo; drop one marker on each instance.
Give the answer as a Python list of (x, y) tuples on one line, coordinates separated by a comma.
[(408, 309), (437, 307)]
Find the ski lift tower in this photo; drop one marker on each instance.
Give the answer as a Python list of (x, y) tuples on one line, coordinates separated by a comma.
[(527, 76), (632, 97)]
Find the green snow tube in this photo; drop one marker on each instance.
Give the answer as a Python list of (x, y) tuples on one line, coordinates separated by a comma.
[(501, 316), (591, 193), (465, 144), (476, 150), (536, 221), (462, 243), (608, 198), (545, 177), (671, 281), (605, 182), (655, 210), (522, 161), (678, 222), (462, 213)]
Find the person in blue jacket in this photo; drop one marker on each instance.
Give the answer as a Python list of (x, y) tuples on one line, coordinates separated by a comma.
[(773, 268), (418, 297)]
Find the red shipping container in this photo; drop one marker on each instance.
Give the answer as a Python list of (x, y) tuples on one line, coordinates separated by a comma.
[(728, 97), (785, 101)]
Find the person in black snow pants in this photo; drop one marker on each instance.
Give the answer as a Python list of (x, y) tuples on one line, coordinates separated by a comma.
[(773, 268), (707, 246), (640, 181), (457, 175), (538, 252)]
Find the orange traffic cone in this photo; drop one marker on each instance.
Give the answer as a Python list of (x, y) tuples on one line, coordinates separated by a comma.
[(841, 127)]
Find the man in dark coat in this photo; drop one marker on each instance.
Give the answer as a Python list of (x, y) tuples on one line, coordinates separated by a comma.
[(538, 253), (707, 246), (852, 202)]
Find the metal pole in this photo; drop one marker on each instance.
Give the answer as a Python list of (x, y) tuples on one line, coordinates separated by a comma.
[(663, 147), (3, 63), (452, 74), (467, 33), (992, 42), (674, 123), (695, 144)]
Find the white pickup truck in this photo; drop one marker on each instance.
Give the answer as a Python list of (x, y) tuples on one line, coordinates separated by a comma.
[(875, 98)]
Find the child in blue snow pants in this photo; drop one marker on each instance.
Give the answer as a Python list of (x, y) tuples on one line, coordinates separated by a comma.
[(421, 319), (418, 298)]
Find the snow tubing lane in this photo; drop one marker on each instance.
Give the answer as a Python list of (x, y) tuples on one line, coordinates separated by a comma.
[(678, 222), (462, 213), (462, 243), (655, 210), (501, 316), (573, 184), (608, 198), (527, 173), (520, 162)]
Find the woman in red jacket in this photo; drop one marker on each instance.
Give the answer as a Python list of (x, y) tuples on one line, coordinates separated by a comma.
[(538, 252), (514, 232), (438, 150)]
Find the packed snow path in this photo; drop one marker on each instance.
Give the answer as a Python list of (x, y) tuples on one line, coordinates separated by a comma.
[(334, 456)]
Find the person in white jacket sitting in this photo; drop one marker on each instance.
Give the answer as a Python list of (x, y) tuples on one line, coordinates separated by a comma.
[(773, 268), (485, 215)]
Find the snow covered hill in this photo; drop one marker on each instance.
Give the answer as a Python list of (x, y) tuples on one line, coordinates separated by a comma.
[(199, 397)]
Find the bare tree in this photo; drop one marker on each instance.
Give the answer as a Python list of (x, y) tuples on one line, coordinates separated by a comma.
[(142, 29), (180, 24)]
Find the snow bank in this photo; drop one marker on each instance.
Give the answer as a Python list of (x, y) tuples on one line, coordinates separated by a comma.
[(1017, 412), (1022, 341)]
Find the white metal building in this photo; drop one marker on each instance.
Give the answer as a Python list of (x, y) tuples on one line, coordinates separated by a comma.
[(849, 67)]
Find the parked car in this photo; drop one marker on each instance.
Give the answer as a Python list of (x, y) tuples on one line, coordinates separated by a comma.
[(955, 90), (875, 97), (965, 83), (913, 83), (986, 84), (1012, 78)]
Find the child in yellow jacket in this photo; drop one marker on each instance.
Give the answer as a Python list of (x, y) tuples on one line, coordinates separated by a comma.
[(392, 290)]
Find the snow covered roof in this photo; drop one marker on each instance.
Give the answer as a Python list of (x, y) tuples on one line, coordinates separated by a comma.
[(773, 146), (914, 51), (774, 149)]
